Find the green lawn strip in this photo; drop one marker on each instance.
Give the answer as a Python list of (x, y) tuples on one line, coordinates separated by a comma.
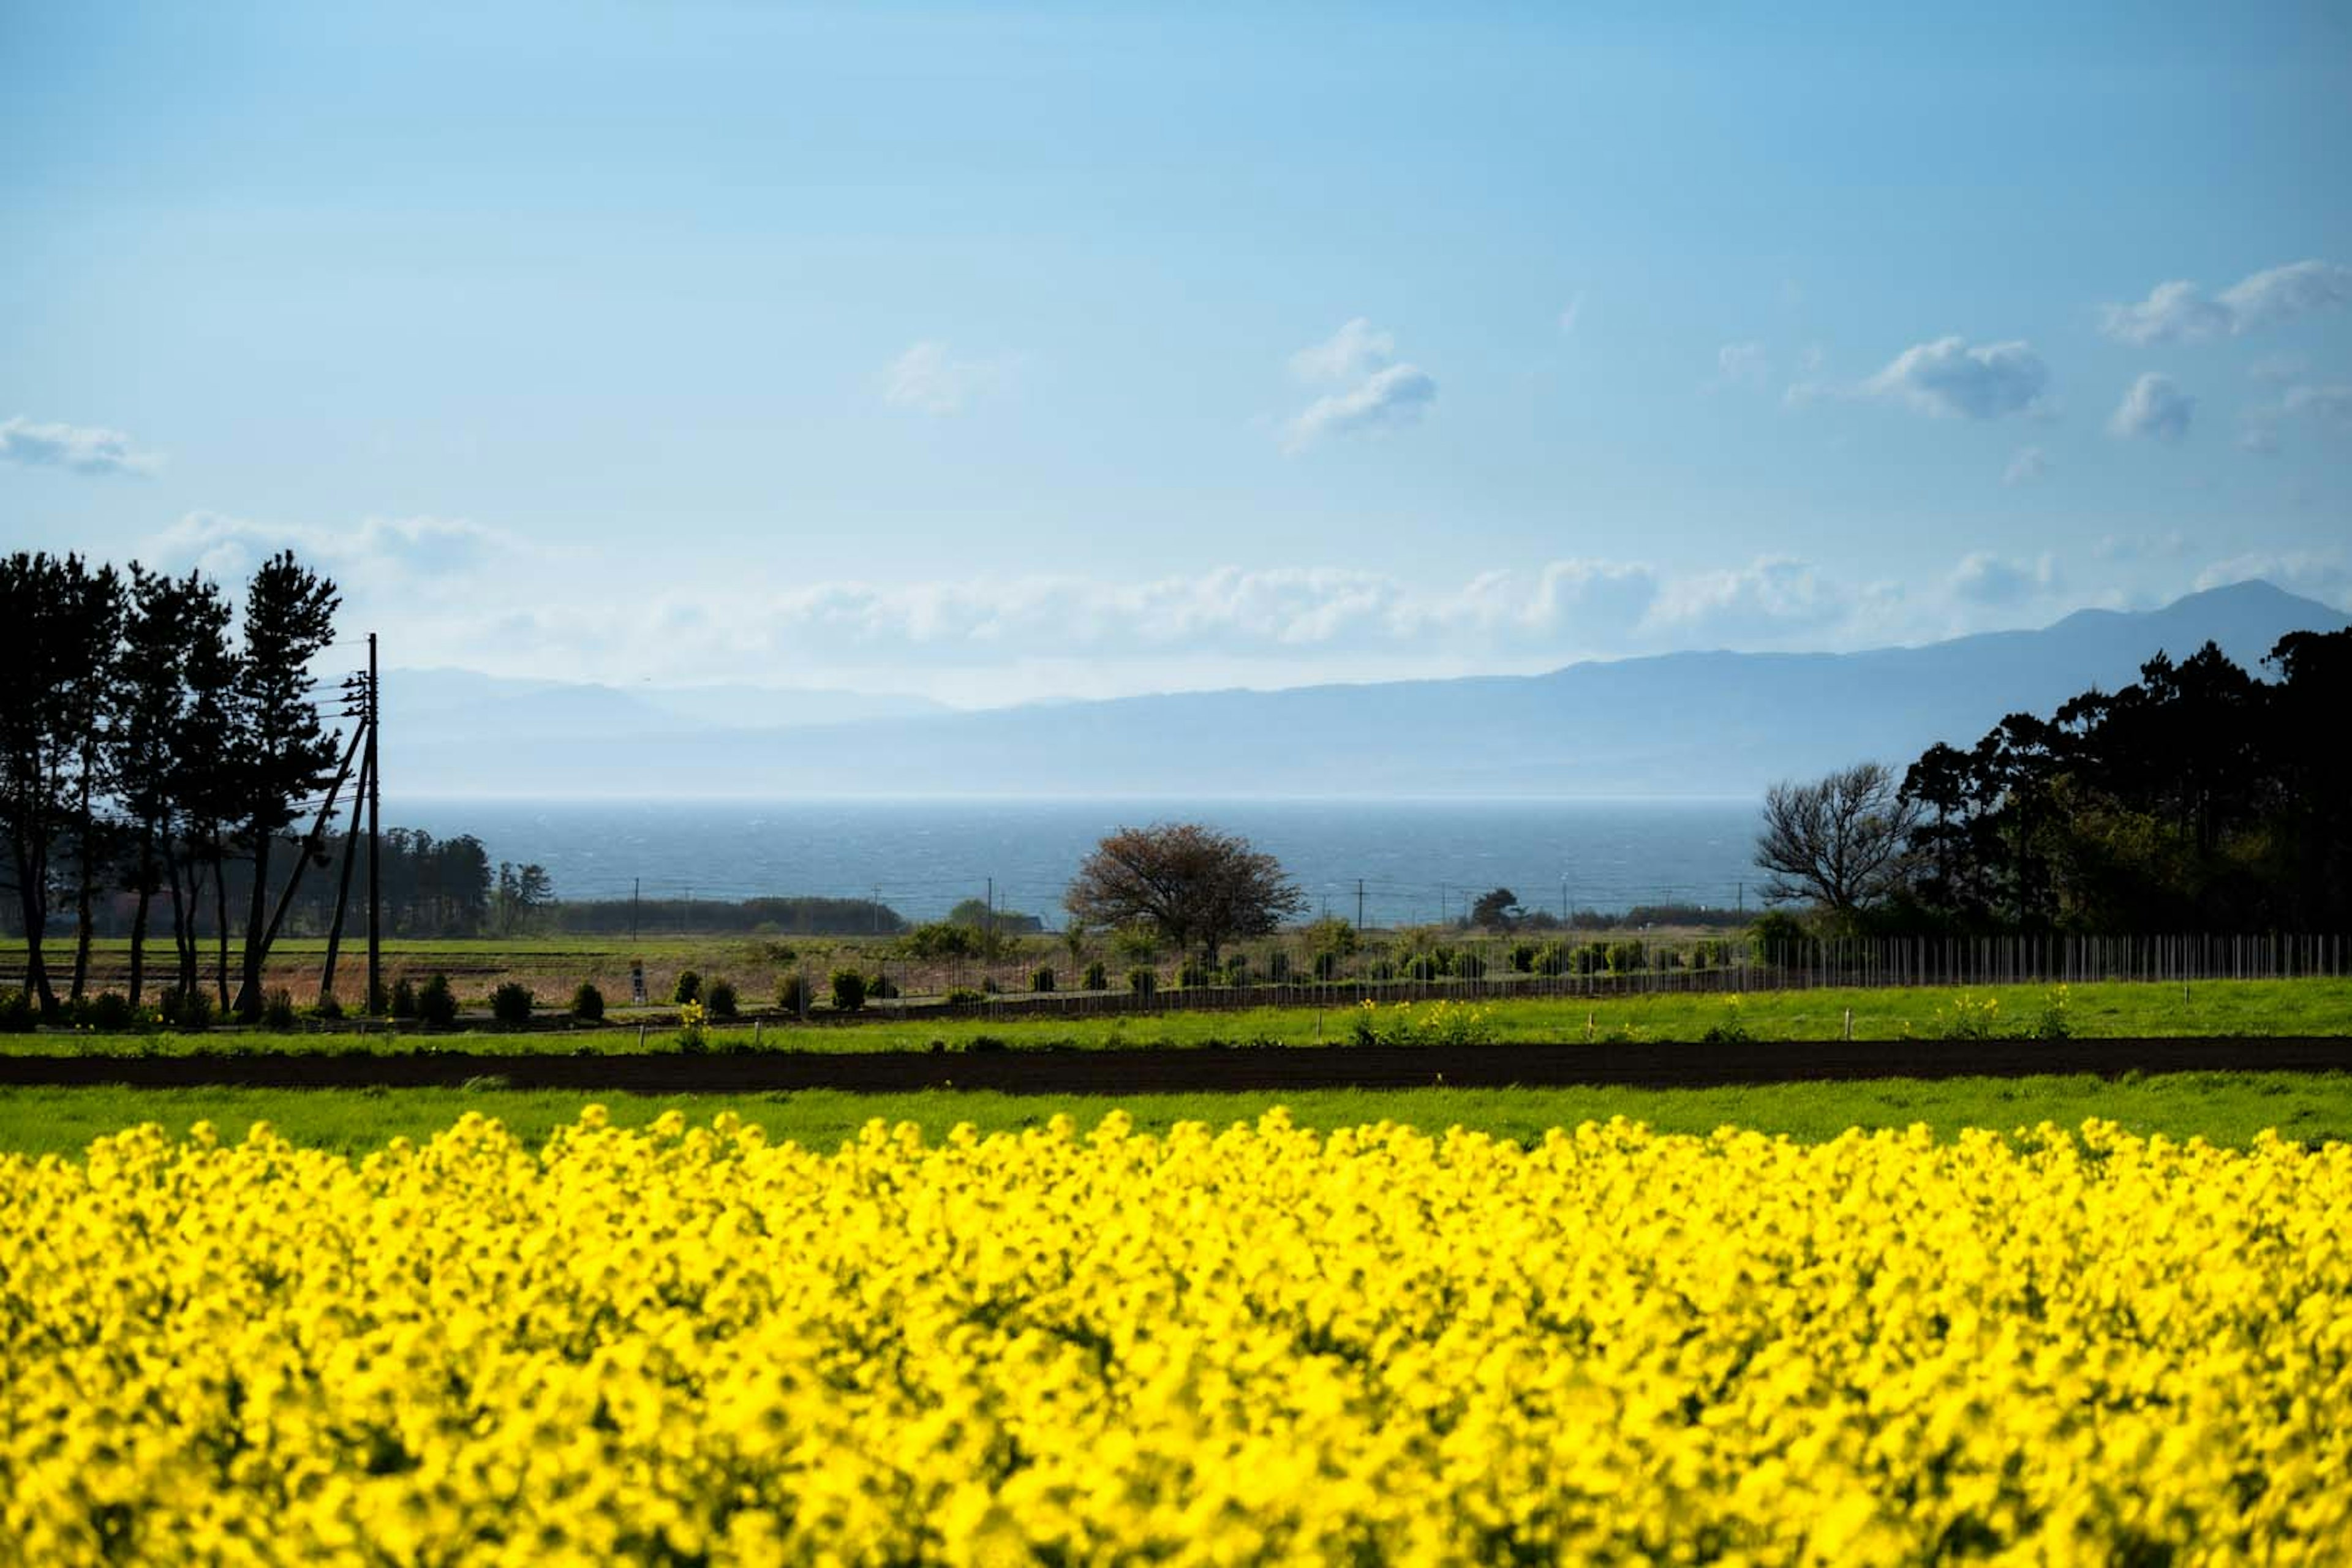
[(2223, 1108), (2106, 1009)]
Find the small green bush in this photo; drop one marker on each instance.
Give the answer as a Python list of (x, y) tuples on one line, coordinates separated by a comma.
[(989, 987), (278, 1010), (1041, 978), (1469, 966), (329, 1008), (1624, 957), (1142, 980), (689, 987), (962, 996), (1551, 958), (792, 993), (17, 1014), (1777, 935), (1097, 978), (511, 1004), (1327, 966), (848, 990), (2051, 1022), (588, 1004), (1190, 975), (111, 1013), (436, 1005), (1523, 957), (880, 987), (188, 1010), (1381, 968), (719, 998), (1421, 966), (1277, 966), (404, 998)]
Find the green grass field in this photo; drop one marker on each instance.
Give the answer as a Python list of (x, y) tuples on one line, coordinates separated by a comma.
[(2251, 1007), (2223, 1107)]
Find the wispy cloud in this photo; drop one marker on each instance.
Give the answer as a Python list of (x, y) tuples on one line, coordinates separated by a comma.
[(378, 556), (1949, 379), (84, 450), (2178, 311), (1571, 313), (929, 379), (1373, 389), (1740, 364), (2029, 465), (1984, 578), (2156, 408)]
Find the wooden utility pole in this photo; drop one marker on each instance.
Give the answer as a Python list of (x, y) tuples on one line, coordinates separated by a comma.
[(375, 832)]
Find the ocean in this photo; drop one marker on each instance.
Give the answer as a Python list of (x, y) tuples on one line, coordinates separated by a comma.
[(1416, 860)]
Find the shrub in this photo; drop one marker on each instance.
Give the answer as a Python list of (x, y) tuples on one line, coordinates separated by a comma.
[(880, 987), (848, 990), (1469, 966), (1421, 966), (511, 1003), (189, 1010), (404, 998), (963, 996), (1968, 1018), (1523, 957), (692, 1039), (436, 1005), (1624, 957), (588, 1004), (719, 998), (1733, 1029), (110, 1012), (329, 1008), (689, 987), (1236, 970), (1042, 977), (1097, 978), (277, 1010), (1551, 958), (1277, 966), (18, 1015), (1381, 968), (1591, 957), (2050, 1023), (988, 986), (1775, 934), (792, 993), (1327, 966), (1142, 980), (1446, 1023)]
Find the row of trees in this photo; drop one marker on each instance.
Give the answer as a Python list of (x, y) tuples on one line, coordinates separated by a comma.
[(2201, 797), (151, 735)]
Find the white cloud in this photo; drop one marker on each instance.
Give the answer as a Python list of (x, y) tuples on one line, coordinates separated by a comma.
[(82, 448), (1570, 313), (2154, 406), (1985, 579), (929, 379), (1947, 378), (1740, 364), (2176, 312), (2029, 465), (1764, 602), (2259, 434), (1354, 351), (1375, 389), (370, 559)]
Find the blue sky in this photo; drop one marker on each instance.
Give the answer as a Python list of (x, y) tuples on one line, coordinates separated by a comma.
[(997, 354)]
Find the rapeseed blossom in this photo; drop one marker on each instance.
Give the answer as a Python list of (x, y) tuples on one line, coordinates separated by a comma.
[(1258, 1345)]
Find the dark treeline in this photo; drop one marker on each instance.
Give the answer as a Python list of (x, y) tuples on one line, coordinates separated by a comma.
[(430, 888), (2200, 798), (159, 742)]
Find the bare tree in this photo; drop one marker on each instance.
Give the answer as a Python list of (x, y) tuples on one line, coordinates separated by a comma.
[(1839, 840), (1192, 884)]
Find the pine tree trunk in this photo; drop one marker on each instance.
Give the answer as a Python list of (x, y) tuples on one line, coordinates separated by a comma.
[(138, 915)]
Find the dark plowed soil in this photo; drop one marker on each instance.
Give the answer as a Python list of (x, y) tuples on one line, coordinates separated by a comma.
[(1647, 1065)]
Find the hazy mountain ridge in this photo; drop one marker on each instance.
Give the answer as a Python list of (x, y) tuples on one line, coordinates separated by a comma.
[(1697, 723)]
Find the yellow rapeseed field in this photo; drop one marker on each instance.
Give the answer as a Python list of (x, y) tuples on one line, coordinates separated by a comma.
[(1259, 1344)]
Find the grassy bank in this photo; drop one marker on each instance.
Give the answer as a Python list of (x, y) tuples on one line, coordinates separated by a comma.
[(2223, 1107), (2106, 1010)]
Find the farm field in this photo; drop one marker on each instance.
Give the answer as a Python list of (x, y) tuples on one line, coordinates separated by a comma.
[(1093, 1342), (2228, 1109), (2104, 1010)]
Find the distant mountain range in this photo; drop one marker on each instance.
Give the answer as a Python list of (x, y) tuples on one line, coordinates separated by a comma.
[(1680, 724)]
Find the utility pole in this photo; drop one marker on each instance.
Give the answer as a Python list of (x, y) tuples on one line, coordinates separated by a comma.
[(376, 834)]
